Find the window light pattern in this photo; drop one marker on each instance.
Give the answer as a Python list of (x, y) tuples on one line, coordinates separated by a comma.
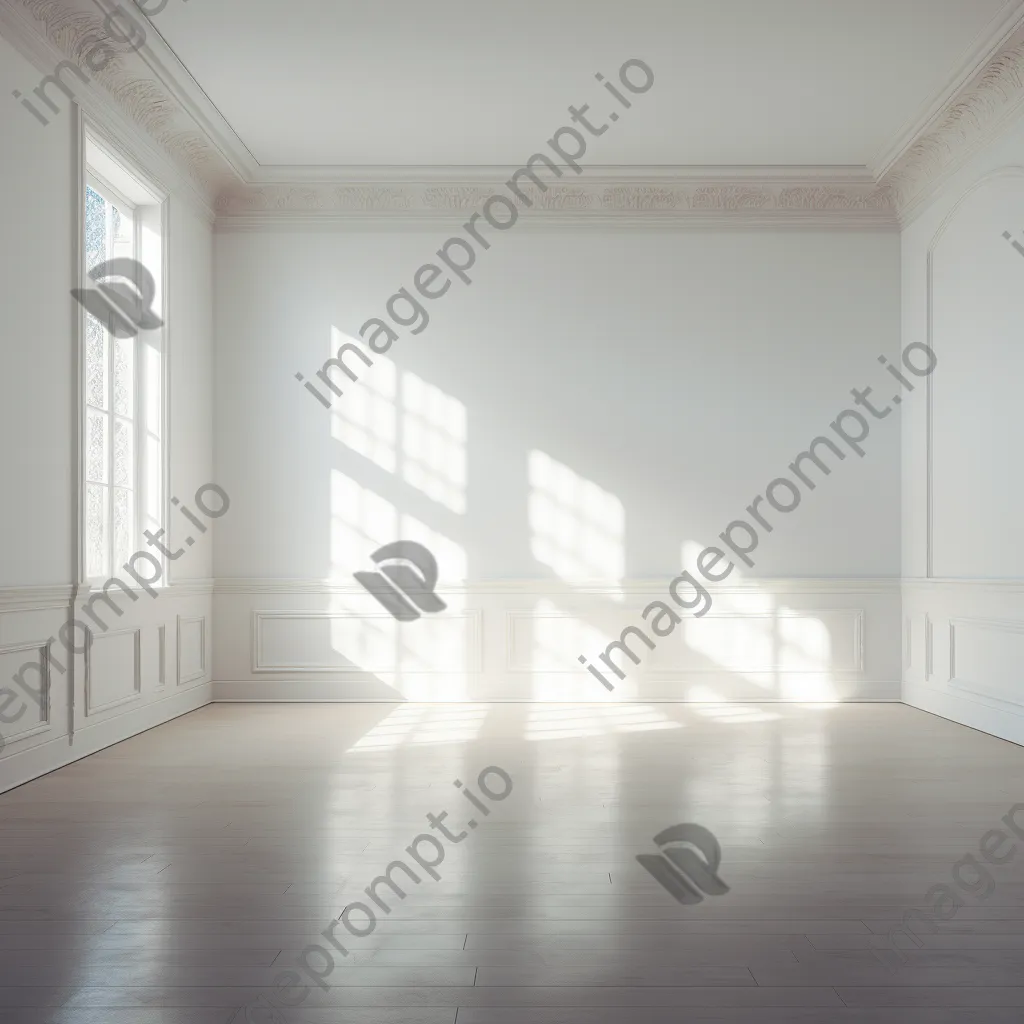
[(424, 724), (407, 427), (366, 418), (558, 722), (576, 528), (426, 662), (434, 442)]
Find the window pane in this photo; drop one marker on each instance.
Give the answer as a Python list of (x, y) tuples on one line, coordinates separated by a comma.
[(95, 363), (122, 236), (152, 498), (124, 525), (96, 530), (151, 385), (95, 229), (112, 369), (96, 447), (124, 453), (124, 376)]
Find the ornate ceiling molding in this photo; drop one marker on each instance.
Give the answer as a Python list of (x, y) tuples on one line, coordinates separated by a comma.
[(666, 200), (985, 105), (74, 29)]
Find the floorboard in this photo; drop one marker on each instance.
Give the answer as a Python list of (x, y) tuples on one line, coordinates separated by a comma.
[(173, 878)]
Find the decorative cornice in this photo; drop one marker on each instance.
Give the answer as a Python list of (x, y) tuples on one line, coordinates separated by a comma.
[(985, 105), (71, 29), (633, 198)]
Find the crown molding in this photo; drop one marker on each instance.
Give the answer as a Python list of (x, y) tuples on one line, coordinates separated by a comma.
[(667, 198), (133, 94), (988, 43), (974, 115), (487, 175), (149, 96)]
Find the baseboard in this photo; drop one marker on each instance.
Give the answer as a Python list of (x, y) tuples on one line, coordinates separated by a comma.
[(243, 691), (1003, 723), (26, 765)]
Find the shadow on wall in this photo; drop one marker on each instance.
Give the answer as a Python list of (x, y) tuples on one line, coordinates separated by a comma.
[(400, 469)]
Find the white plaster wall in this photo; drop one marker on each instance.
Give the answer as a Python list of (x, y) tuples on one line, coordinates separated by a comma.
[(963, 560), (677, 372)]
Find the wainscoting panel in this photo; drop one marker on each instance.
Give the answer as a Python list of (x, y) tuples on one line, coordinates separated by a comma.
[(971, 664), (986, 657), (806, 640), (26, 672), (301, 642), (154, 658), (191, 648), (114, 688), (113, 669), (34, 688)]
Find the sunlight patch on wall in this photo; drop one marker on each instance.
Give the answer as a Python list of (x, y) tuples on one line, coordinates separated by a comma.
[(361, 522), (557, 639), (406, 426), (433, 442), (426, 659), (576, 528), (366, 418), (805, 658)]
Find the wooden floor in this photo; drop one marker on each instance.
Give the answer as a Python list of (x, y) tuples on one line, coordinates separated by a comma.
[(171, 879)]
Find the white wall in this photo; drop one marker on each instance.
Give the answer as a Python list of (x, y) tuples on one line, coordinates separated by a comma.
[(37, 411), (676, 372), (962, 490), (132, 677)]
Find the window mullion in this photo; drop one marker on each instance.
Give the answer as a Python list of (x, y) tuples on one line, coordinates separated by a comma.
[(110, 413), (140, 411)]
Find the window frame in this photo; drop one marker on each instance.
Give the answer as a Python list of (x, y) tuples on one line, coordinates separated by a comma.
[(144, 509)]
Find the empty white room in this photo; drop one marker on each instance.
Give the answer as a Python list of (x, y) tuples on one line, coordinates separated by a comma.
[(511, 514)]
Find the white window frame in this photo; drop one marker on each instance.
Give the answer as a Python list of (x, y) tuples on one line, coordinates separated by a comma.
[(145, 340)]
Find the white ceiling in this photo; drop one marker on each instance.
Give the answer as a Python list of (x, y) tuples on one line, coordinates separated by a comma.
[(470, 82)]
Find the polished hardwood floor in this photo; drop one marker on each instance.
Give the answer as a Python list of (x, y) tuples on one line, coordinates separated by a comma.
[(178, 877)]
